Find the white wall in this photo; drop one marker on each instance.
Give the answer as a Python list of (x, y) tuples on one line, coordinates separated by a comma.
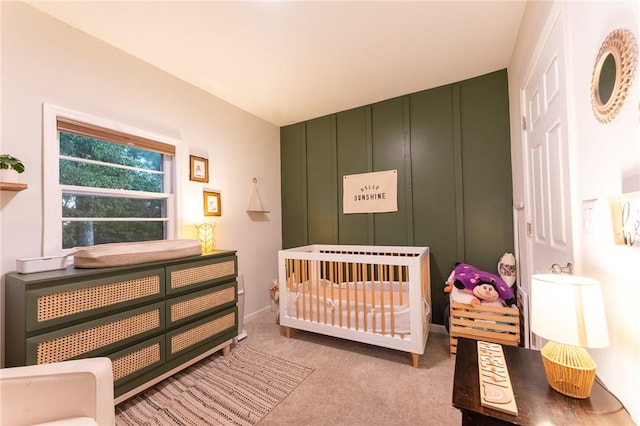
[(44, 60), (606, 163)]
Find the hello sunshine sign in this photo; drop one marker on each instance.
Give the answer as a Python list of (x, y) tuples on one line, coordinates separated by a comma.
[(375, 192)]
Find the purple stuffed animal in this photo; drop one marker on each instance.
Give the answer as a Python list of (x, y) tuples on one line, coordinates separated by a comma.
[(467, 277)]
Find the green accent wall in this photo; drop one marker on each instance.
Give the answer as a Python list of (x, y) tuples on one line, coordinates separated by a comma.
[(451, 148), (322, 181), (293, 172)]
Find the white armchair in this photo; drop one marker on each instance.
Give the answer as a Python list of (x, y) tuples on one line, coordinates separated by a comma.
[(76, 392)]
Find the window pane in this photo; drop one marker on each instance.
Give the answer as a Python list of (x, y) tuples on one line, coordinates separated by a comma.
[(99, 176), (72, 145), (114, 186), (75, 234), (93, 206)]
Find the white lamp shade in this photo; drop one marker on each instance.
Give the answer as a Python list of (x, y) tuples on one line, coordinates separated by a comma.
[(568, 309)]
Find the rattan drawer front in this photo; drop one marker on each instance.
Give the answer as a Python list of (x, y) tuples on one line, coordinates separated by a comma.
[(200, 332), (64, 303), (182, 279), (137, 359), (96, 337), (185, 308)]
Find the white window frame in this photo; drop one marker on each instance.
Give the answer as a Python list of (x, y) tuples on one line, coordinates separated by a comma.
[(52, 190)]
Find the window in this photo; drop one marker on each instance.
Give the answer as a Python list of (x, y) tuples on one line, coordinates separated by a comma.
[(104, 185)]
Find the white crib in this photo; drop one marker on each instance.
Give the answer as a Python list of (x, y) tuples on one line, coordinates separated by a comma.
[(379, 295)]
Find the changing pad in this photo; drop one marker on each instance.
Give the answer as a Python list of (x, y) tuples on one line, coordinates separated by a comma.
[(121, 254)]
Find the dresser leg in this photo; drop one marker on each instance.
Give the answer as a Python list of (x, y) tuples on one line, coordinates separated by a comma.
[(287, 332), (226, 350)]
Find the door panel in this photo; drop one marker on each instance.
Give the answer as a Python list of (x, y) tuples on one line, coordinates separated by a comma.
[(547, 175)]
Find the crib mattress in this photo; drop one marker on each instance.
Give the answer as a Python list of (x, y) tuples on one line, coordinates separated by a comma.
[(324, 302), (121, 254)]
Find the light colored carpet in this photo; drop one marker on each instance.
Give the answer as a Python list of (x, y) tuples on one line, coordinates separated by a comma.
[(239, 389), (358, 384)]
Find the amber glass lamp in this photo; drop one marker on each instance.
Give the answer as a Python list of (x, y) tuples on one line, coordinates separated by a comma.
[(567, 310)]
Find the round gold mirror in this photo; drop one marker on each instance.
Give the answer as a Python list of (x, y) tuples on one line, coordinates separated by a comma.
[(613, 74)]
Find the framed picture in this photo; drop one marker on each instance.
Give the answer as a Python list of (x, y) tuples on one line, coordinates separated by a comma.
[(198, 169), (212, 204), (625, 216)]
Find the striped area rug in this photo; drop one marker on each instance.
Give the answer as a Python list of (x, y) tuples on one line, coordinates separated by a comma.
[(239, 389)]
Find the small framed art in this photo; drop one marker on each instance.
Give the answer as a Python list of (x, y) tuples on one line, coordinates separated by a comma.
[(198, 169), (625, 216), (212, 203)]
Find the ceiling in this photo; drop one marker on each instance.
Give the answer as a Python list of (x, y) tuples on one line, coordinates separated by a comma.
[(290, 61)]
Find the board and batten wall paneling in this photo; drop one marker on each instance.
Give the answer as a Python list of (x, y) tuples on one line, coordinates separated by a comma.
[(322, 178), (486, 169), (390, 152), (434, 185), (451, 148), (353, 130), (293, 172)]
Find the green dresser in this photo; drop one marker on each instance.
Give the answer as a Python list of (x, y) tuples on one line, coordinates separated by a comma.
[(151, 319)]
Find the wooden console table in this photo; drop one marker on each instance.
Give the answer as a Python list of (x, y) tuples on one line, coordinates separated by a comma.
[(537, 402)]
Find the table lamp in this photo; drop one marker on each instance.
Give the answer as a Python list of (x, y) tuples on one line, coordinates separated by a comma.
[(568, 311), (207, 236)]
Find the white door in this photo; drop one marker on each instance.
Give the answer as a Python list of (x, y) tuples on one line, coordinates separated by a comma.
[(546, 163)]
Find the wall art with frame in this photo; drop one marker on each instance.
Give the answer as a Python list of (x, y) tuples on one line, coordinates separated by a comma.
[(625, 216), (212, 205), (198, 169)]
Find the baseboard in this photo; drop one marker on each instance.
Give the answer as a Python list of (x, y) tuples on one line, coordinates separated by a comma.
[(257, 313), (437, 328)]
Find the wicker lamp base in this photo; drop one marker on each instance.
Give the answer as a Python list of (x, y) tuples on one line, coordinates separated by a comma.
[(570, 369)]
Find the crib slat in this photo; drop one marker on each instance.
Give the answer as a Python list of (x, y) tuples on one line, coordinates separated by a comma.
[(317, 279), (347, 281), (290, 283), (373, 297), (381, 278), (364, 295), (331, 279), (392, 295), (303, 280), (338, 281), (324, 292), (300, 278), (354, 279)]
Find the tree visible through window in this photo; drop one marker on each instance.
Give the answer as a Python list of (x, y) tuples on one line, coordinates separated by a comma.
[(114, 186)]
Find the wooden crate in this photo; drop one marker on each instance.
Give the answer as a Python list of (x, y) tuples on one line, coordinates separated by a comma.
[(487, 323)]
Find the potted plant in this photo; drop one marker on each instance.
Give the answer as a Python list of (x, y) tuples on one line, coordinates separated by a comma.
[(7, 162)]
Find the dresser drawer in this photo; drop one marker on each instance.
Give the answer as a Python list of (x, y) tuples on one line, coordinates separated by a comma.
[(200, 332), (61, 304), (97, 337), (182, 278), (137, 360), (185, 308)]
